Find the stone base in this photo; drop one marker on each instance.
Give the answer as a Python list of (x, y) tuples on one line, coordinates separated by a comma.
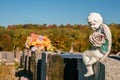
[(112, 68)]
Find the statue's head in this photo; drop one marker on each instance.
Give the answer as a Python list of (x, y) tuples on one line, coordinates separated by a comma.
[(95, 20)]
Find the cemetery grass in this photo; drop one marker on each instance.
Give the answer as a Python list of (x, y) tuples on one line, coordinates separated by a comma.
[(7, 72)]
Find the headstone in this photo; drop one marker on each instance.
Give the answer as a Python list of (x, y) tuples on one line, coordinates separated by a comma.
[(33, 65), (112, 68), (0, 56), (52, 67), (4, 55), (68, 67), (38, 56), (55, 67), (10, 57), (43, 67)]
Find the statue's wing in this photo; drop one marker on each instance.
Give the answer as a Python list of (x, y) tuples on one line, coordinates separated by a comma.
[(107, 33)]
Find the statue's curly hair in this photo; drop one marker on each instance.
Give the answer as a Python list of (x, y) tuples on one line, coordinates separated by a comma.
[(95, 17)]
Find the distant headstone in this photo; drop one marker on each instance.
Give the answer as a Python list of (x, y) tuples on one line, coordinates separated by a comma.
[(0, 56), (4, 55), (38, 56), (10, 57)]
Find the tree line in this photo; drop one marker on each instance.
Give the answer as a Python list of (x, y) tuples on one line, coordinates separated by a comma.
[(62, 36)]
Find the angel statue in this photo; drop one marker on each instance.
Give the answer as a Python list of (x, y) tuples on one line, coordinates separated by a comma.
[(101, 42)]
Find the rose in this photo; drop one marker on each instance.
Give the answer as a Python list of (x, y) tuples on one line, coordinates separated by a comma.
[(97, 39)]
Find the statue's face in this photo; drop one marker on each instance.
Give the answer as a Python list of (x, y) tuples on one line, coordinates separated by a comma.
[(93, 24)]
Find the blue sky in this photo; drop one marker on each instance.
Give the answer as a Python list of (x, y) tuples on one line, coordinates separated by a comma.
[(57, 11)]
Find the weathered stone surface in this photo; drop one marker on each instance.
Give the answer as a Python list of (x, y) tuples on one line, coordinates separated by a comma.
[(55, 67), (6, 56), (112, 69), (10, 57)]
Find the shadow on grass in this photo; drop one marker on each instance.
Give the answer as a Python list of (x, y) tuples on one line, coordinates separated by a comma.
[(24, 73)]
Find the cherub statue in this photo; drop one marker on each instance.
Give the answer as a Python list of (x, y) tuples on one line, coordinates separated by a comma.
[(101, 42)]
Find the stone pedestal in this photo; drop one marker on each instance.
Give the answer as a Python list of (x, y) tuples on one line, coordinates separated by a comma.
[(112, 68)]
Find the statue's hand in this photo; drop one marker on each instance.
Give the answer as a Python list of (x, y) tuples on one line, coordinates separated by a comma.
[(97, 45)]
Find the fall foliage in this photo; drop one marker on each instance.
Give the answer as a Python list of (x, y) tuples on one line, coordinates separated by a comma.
[(61, 36)]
